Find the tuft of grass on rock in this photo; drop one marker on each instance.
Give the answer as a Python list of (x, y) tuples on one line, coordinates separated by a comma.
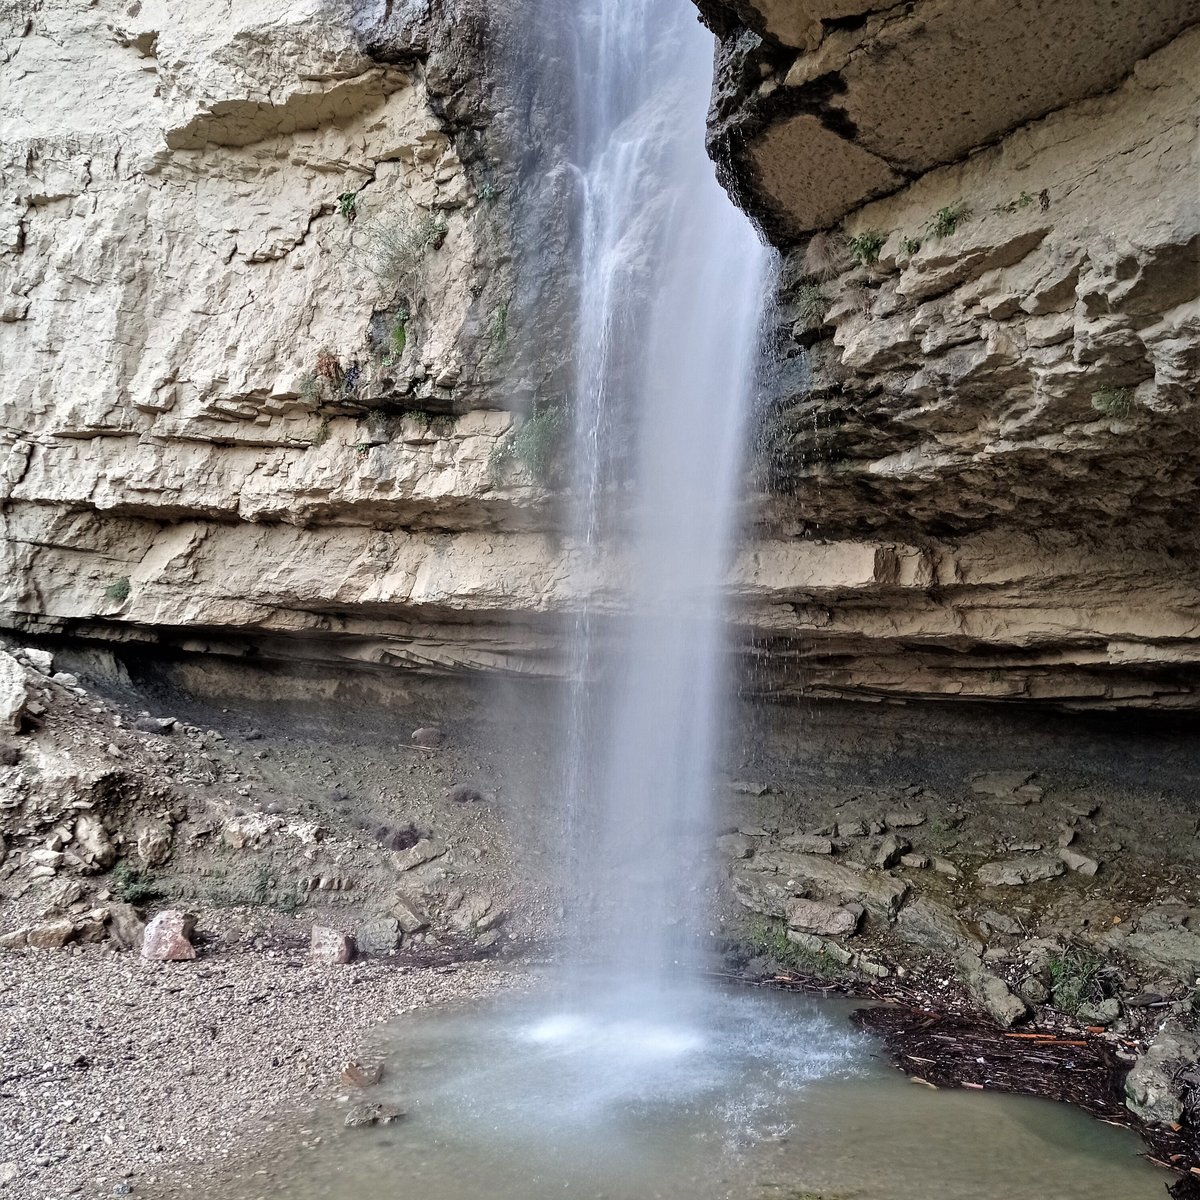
[(1113, 402), (946, 221), (118, 591)]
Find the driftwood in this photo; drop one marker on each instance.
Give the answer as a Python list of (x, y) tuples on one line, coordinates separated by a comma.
[(949, 1051)]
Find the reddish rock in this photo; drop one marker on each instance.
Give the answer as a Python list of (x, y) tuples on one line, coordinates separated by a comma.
[(330, 947), (362, 1075), (168, 937)]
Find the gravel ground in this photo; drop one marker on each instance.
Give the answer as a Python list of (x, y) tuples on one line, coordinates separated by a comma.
[(124, 1077)]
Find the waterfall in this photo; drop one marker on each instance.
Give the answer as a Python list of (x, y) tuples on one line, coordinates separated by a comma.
[(671, 279)]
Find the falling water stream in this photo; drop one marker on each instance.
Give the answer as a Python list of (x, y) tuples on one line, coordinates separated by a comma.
[(637, 1082)]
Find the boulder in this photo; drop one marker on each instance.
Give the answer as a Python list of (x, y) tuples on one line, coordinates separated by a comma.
[(168, 937), (1154, 1089), (995, 997), (330, 947), (735, 845), (767, 882), (14, 695), (51, 936), (380, 936), (817, 917)]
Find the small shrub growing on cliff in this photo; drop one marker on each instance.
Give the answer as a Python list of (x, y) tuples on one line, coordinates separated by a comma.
[(811, 304), (499, 327), (535, 446), (118, 591), (348, 205), (865, 248), (947, 220), (133, 886), (910, 245), (396, 247), (1022, 200), (1113, 402), (769, 938)]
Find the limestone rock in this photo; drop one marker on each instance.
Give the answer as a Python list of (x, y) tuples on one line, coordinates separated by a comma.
[(806, 844), (408, 915), (154, 843), (14, 694), (1081, 864), (330, 947), (51, 936), (379, 1113), (379, 936), (1154, 1089), (828, 920), (768, 881), (167, 937), (92, 843), (125, 927), (1018, 871), (891, 851)]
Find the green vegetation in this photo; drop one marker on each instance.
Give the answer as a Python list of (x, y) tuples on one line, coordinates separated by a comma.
[(811, 304), (910, 245), (132, 885), (769, 938), (499, 327), (118, 591), (310, 388), (534, 446), (1075, 978), (488, 192), (348, 205), (1113, 402), (259, 889), (399, 335), (397, 246), (1021, 200), (947, 220), (865, 248)]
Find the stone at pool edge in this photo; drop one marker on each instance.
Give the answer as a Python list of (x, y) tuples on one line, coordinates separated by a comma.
[(362, 1116)]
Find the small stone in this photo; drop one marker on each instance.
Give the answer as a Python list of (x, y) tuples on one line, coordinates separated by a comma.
[(851, 829), (363, 1115), (915, 862), (1105, 1012), (807, 844), (409, 917), (429, 736), (903, 820), (1017, 872), (330, 947), (65, 678), (1032, 989), (159, 725), (743, 788), (1079, 863), (362, 1075), (889, 852), (943, 866), (168, 937)]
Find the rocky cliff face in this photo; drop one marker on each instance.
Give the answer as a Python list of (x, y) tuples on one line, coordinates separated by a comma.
[(267, 357), (989, 335)]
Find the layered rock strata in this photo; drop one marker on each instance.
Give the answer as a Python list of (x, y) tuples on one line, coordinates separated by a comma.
[(266, 351)]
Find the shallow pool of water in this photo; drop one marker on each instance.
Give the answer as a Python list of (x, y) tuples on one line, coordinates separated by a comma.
[(747, 1095)]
